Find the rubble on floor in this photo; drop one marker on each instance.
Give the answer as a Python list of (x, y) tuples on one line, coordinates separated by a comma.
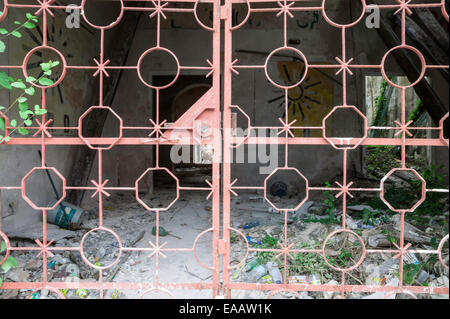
[(263, 228)]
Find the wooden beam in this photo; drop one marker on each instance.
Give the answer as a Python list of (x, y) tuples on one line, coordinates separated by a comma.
[(435, 108), (428, 22), (93, 124), (426, 44)]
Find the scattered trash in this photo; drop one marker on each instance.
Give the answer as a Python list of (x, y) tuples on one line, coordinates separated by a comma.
[(314, 279), (35, 295), (162, 232), (51, 264), (65, 215), (257, 273), (351, 223), (115, 294), (422, 277), (251, 224), (410, 258), (382, 295), (251, 240), (82, 293), (251, 265), (73, 270), (299, 279), (267, 279), (274, 271)]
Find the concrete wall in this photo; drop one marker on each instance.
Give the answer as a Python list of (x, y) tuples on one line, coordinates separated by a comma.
[(76, 93)]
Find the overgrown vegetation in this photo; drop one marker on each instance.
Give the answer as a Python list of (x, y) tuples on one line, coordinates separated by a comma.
[(8, 264), (380, 160), (381, 105), (23, 89), (267, 242), (310, 263), (433, 204), (331, 207)]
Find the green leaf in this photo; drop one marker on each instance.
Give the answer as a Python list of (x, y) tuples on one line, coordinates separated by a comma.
[(48, 73), (2, 108), (22, 99), (2, 124), (4, 81), (31, 17), (23, 115), (28, 122), (45, 82), (45, 66), (23, 106), (30, 91), (40, 112), (2, 246), (13, 123), (16, 34), (31, 79), (9, 263), (3, 31), (1, 281), (17, 22), (53, 64), (7, 138), (19, 85), (29, 25), (2, 46), (22, 131)]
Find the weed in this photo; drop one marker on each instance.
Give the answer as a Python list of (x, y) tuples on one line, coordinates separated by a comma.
[(309, 263), (267, 242), (8, 264), (330, 202), (432, 206)]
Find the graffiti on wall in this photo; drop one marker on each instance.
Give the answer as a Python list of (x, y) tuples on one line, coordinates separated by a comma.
[(310, 101)]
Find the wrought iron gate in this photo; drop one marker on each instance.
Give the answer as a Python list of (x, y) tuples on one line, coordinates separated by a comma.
[(196, 126)]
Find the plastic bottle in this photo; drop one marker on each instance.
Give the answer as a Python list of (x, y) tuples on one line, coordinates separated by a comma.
[(257, 273), (272, 267), (252, 240), (251, 265), (314, 279)]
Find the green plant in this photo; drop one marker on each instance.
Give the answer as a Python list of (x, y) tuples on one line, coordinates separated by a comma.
[(433, 204), (30, 23), (381, 105), (233, 237), (380, 160), (8, 264), (268, 242), (24, 90), (389, 236), (411, 271), (309, 263), (373, 218), (330, 202)]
